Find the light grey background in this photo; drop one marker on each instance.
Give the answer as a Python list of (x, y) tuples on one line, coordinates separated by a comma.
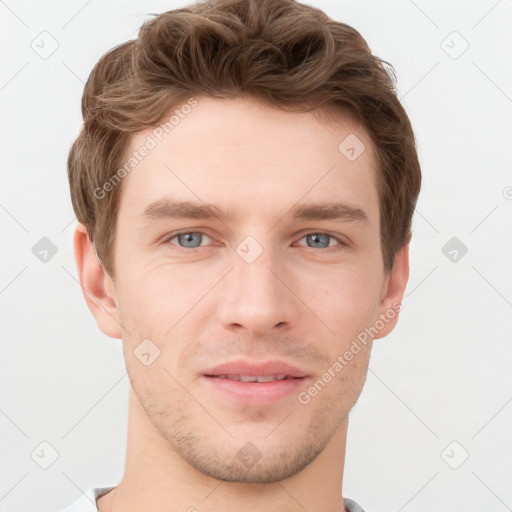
[(442, 376)]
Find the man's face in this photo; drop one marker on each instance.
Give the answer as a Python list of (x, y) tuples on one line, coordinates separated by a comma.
[(259, 286)]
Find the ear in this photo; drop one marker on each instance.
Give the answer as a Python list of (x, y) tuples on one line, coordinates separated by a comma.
[(97, 286), (393, 291)]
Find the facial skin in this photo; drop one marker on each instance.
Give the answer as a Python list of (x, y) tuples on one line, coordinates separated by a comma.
[(297, 302)]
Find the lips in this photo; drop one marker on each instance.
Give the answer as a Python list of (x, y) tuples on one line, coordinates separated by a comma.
[(251, 371), (252, 378), (257, 383)]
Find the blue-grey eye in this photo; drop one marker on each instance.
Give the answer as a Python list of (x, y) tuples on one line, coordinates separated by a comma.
[(319, 238), (189, 240)]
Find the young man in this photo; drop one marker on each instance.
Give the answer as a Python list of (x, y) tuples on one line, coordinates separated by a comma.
[(244, 183)]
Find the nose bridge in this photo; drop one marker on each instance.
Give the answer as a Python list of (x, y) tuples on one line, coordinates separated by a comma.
[(257, 298)]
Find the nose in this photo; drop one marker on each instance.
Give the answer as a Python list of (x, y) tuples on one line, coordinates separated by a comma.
[(258, 298)]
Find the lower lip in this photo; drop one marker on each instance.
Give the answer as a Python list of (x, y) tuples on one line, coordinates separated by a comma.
[(256, 392)]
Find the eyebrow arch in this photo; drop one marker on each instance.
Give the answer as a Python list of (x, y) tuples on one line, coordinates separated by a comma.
[(328, 211), (176, 209)]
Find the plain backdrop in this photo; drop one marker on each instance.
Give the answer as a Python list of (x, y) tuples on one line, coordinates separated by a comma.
[(432, 428)]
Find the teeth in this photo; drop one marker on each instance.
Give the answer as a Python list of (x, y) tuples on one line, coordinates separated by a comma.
[(269, 378), (243, 378), (253, 378)]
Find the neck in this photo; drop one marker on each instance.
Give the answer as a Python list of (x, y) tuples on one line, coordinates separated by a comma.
[(157, 479)]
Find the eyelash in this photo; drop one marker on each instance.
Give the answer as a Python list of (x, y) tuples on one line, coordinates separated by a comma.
[(189, 250)]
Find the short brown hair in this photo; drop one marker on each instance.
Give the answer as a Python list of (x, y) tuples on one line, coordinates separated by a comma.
[(281, 52)]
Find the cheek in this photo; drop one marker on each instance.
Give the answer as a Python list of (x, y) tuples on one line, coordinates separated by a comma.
[(346, 299), (150, 312), (150, 296), (145, 312), (161, 306)]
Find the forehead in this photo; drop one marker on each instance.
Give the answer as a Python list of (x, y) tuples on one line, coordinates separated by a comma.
[(251, 158)]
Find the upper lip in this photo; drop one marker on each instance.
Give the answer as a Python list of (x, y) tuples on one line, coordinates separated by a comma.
[(262, 368)]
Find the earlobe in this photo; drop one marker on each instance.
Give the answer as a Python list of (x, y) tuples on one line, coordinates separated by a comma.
[(97, 285), (393, 291)]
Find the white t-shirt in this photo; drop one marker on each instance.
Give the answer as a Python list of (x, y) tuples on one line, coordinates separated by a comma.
[(87, 503)]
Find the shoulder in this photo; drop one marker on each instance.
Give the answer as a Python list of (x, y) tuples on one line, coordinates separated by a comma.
[(352, 506), (87, 502)]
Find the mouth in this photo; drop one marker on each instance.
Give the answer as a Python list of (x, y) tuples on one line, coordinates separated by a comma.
[(253, 382), (251, 370), (254, 378), (253, 389)]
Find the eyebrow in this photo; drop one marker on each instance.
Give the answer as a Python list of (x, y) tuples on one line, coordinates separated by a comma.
[(177, 209)]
